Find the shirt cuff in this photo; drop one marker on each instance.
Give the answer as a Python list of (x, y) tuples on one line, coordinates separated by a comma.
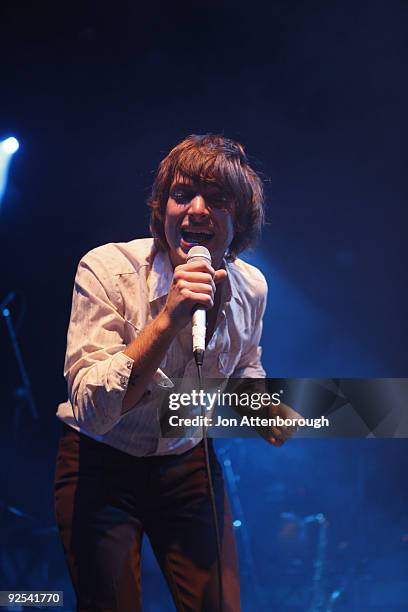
[(162, 380), (119, 372), (120, 369)]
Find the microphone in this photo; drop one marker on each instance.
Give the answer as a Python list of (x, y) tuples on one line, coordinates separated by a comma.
[(199, 315)]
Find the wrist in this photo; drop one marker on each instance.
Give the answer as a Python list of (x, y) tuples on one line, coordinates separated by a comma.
[(164, 325)]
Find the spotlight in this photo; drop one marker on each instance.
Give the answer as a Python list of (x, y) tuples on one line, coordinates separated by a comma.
[(10, 145)]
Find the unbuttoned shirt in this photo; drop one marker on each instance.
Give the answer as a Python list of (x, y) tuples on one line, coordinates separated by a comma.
[(119, 288)]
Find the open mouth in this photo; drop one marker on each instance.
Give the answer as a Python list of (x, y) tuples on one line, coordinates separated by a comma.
[(196, 237)]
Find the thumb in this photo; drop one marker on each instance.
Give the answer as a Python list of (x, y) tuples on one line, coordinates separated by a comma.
[(220, 276)]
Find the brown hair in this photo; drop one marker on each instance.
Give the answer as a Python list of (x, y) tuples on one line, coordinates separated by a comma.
[(212, 159)]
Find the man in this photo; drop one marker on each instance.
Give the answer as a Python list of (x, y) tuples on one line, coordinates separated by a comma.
[(130, 334)]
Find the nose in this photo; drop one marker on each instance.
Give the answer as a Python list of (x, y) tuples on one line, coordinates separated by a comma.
[(198, 206)]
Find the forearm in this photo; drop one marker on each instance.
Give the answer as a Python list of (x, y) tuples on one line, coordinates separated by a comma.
[(147, 352)]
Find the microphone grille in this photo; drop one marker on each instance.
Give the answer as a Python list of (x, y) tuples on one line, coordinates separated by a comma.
[(200, 252)]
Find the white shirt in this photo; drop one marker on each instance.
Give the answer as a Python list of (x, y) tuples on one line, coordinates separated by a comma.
[(119, 288)]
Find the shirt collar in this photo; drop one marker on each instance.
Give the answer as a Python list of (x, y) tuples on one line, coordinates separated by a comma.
[(232, 288), (161, 274)]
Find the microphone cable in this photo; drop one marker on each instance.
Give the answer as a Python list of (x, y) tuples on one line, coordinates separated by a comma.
[(199, 362), (199, 328)]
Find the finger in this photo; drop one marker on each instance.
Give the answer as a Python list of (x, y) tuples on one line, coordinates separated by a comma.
[(220, 276), (199, 265), (280, 435), (198, 298), (196, 287), (196, 277), (277, 433), (275, 441)]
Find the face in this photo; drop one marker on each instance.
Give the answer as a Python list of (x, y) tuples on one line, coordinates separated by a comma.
[(197, 213)]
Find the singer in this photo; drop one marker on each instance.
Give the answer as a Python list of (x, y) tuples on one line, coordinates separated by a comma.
[(129, 334)]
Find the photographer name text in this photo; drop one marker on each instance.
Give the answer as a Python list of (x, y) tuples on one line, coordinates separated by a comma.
[(246, 421)]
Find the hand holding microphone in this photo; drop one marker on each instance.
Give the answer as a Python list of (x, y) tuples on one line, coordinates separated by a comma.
[(192, 291)]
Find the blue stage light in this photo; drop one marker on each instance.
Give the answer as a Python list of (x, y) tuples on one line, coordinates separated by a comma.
[(237, 524), (10, 145)]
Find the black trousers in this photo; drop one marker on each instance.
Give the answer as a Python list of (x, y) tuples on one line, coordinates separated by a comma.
[(106, 500)]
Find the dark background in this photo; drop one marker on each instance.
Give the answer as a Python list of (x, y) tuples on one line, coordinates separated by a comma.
[(97, 93)]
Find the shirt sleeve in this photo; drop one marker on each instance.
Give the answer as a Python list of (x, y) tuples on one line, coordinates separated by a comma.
[(96, 369), (250, 365)]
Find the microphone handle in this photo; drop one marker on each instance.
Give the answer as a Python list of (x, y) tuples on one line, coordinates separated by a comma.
[(199, 315), (199, 328)]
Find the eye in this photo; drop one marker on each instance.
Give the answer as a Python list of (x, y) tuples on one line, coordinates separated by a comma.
[(181, 196), (220, 201)]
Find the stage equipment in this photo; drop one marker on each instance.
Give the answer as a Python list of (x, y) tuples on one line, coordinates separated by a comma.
[(8, 147)]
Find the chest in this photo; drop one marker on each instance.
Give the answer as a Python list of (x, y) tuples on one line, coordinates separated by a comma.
[(229, 330)]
